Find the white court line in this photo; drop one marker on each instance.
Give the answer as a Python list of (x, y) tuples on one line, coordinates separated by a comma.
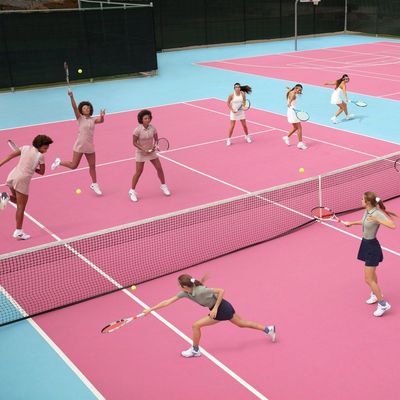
[(213, 359), (283, 130), (109, 113), (122, 160), (390, 94)]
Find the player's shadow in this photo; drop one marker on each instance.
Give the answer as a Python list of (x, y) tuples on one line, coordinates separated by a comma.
[(357, 117)]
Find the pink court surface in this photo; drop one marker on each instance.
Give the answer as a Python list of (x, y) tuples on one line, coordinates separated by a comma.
[(328, 340), (373, 68)]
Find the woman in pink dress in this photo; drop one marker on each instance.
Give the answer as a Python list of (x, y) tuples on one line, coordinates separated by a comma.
[(31, 161), (84, 144), (144, 139)]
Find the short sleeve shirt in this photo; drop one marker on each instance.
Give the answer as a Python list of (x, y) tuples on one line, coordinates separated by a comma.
[(201, 295), (145, 136), (370, 228)]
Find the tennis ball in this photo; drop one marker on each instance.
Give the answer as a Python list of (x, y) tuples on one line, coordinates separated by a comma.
[(301, 170), (133, 288), (78, 191), (80, 71)]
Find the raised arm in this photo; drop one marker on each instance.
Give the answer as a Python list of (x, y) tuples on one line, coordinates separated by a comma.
[(74, 106), (163, 304), (329, 83), (12, 155), (100, 118)]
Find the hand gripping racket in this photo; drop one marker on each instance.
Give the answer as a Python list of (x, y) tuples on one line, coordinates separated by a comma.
[(244, 106), (302, 115), (325, 214), (113, 326)]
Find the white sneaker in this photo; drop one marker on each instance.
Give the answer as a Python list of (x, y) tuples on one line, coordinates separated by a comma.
[(286, 140), (165, 190), (349, 116), (301, 146), (380, 310), (132, 195), (4, 199), (95, 187), (272, 332), (334, 120), (372, 299), (55, 164), (228, 142), (20, 235), (191, 353), (247, 138)]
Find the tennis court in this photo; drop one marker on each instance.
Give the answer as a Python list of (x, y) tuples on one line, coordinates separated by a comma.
[(241, 213)]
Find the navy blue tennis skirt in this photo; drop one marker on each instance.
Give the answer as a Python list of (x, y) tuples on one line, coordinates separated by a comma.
[(371, 252), (225, 311)]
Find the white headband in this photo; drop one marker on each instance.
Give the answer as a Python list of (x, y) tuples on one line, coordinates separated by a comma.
[(193, 280)]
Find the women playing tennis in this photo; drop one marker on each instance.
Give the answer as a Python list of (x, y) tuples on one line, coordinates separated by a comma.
[(291, 97), (144, 139), (235, 102), (220, 310), (339, 92), (370, 250), (31, 161), (84, 144)]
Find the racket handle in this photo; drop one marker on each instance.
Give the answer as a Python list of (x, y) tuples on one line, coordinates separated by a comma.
[(139, 315)]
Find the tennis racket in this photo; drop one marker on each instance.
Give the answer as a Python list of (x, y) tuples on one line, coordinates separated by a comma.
[(67, 75), (12, 145), (162, 144), (359, 103), (244, 106), (113, 326), (4, 199), (302, 115), (325, 214), (397, 165)]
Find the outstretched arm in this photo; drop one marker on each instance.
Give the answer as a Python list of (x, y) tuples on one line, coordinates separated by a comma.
[(12, 155), (163, 304), (74, 106)]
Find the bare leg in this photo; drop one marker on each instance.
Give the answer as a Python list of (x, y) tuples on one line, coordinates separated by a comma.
[(231, 127), (371, 280), (139, 170), (157, 165), (294, 129), (244, 125), (13, 196), (342, 108), (241, 323), (21, 199), (196, 328), (91, 159), (76, 159)]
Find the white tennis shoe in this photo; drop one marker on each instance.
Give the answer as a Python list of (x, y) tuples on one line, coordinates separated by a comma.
[(165, 190), (334, 120), (272, 332), (286, 140), (55, 164), (301, 146), (95, 187), (133, 195), (380, 310), (228, 142), (247, 138), (191, 353), (372, 299), (20, 235)]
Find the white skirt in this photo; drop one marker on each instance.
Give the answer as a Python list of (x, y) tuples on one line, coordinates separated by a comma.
[(237, 116), (291, 116), (335, 98)]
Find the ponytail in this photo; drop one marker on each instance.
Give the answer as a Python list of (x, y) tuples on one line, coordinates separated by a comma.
[(339, 81), (375, 201), (246, 88), (189, 281), (291, 90)]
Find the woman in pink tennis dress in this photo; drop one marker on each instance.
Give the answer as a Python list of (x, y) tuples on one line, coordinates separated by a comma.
[(19, 179), (84, 144)]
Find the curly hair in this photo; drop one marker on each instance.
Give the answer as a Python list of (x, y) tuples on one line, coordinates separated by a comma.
[(142, 114), (41, 140), (85, 103)]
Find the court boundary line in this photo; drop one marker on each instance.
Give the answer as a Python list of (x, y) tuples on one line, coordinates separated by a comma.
[(80, 375), (177, 331)]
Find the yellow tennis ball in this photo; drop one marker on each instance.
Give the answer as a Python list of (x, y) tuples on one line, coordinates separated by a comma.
[(133, 288), (301, 170), (80, 71), (78, 191)]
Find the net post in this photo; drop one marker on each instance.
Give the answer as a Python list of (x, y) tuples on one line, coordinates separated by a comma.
[(320, 190)]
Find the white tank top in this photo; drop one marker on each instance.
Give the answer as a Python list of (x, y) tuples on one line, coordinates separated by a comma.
[(236, 101)]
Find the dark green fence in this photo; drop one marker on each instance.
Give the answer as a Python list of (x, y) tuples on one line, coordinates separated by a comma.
[(109, 42)]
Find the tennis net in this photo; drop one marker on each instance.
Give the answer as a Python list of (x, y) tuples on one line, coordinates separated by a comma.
[(48, 277)]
